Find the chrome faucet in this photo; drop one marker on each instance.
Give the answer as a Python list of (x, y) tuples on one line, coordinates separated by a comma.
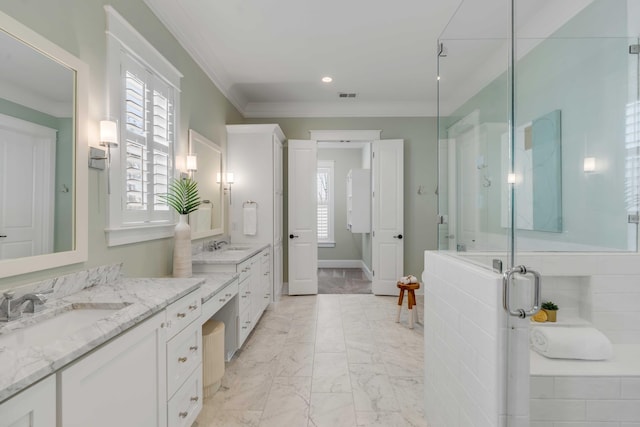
[(214, 245), (11, 308)]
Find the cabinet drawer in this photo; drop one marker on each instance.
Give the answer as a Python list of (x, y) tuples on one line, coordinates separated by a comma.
[(244, 293), (184, 353), (244, 268), (183, 312), (216, 302), (186, 404), (244, 326)]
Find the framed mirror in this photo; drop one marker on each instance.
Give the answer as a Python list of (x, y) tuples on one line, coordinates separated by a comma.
[(43, 152), (208, 220)]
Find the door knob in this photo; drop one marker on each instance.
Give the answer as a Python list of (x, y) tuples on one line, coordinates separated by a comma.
[(399, 236), (293, 236)]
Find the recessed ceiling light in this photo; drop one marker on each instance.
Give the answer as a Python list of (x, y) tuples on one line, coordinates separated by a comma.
[(327, 79)]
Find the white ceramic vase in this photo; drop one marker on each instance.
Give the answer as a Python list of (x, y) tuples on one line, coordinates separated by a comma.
[(182, 249)]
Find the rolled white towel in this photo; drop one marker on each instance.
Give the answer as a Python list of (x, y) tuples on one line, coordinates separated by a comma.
[(408, 279), (570, 343)]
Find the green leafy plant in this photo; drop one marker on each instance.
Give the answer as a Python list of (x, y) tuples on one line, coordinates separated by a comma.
[(183, 196), (549, 305)]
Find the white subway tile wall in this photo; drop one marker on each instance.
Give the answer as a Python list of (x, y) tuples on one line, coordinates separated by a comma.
[(465, 330), (585, 401)]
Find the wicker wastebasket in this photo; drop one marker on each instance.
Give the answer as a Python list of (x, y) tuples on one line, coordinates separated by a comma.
[(212, 356)]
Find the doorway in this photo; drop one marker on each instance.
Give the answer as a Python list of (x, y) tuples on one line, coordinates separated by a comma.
[(383, 231), (344, 217)]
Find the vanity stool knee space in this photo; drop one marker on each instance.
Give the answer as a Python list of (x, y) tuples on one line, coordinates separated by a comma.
[(411, 301)]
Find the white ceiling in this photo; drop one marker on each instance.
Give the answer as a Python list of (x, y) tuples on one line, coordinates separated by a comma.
[(268, 57)]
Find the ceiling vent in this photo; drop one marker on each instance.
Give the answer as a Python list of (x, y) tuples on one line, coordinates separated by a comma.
[(346, 95)]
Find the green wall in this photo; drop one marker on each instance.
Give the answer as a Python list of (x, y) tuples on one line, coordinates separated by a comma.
[(78, 26), (420, 169)]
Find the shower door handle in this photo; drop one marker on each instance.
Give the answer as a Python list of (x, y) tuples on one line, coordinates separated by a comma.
[(506, 285)]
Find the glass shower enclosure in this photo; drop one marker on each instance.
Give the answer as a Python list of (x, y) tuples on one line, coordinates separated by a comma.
[(539, 166)]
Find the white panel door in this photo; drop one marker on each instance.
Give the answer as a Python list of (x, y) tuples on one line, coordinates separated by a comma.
[(27, 178), (303, 240), (388, 221)]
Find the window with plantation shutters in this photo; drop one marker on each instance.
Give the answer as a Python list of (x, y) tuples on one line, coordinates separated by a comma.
[(144, 93), (324, 191), (148, 112)]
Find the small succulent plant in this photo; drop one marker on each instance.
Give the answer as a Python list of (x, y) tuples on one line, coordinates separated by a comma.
[(549, 305)]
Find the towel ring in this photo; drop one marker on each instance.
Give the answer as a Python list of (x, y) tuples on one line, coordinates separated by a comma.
[(249, 202)]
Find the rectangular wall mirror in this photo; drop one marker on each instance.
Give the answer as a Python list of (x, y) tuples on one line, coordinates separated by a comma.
[(43, 140), (208, 220)]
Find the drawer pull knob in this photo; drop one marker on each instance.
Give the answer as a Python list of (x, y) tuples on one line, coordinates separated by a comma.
[(248, 292), (228, 295), (182, 359), (195, 398), (193, 307), (181, 315), (193, 348), (248, 322), (244, 327), (183, 414), (266, 274), (222, 300), (244, 296)]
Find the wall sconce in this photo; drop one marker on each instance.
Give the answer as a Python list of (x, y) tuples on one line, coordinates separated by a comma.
[(228, 180), (108, 138), (108, 133), (589, 164), (192, 164), (511, 178)]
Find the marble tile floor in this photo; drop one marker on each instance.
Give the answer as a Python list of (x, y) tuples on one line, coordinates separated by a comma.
[(324, 360), (343, 281)]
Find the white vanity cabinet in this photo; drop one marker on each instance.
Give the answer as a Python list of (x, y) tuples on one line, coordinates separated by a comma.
[(254, 155), (33, 407), (122, 383), (254, 289), (359, 200), (150, 375)]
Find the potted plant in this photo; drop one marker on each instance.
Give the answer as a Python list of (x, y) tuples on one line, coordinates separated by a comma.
[(183, 197), (551, 309)]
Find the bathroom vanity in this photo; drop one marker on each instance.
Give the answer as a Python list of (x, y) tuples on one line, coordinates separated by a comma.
[(252, 264)]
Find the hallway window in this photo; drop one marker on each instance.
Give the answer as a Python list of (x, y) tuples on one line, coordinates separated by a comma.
[(325, 203)]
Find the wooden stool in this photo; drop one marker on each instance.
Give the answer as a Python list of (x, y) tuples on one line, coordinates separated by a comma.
[(411, 297)]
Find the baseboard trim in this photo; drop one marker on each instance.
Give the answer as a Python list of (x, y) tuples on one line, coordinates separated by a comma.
[(346, 263)]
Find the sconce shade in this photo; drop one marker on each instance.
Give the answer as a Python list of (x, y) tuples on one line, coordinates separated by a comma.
[(589, 164), (192, 162), (228, 178), (511, 178), (108, 133)]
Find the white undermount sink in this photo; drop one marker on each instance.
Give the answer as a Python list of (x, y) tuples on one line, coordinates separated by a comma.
[(60, 325)]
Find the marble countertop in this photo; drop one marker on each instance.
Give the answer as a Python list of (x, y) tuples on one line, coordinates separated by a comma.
[(214, 283), (226, 256), (20, 368)]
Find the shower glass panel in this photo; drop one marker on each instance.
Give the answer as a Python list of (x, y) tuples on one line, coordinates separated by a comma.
[(474, 93), (576, 85), (539, 164)]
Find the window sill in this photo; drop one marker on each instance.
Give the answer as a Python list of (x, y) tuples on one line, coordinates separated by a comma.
[(326, 244), (126, 235)]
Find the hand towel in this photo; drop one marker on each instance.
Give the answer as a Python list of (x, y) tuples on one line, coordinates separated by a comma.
[(570, 343), (203, 220), (250, 214)]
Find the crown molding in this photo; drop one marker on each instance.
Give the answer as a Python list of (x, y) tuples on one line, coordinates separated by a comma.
[(339, 109)]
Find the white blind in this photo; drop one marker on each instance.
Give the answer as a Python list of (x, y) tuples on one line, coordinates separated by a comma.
[(323, 196), (148, 111)]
